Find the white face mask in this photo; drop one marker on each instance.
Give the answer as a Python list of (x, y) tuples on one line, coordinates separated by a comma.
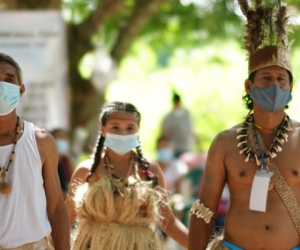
[(62, 146), (121, 144), (9, 97)]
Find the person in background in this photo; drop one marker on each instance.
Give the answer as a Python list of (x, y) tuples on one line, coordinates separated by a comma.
[(62, 179), (189, 184), (173, 169), (177, 126), (118, 197), (66, 165), (31, 202)]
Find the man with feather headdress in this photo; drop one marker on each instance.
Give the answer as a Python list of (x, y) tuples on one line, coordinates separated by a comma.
[(259, 159)]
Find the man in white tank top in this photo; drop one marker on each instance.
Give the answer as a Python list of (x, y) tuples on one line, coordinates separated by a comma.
[(31, 201)]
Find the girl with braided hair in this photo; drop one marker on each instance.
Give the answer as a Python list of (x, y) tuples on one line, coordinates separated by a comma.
[(118, 198)]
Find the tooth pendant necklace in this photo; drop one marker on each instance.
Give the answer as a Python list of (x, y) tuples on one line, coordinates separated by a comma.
[(5, 187), (248, 132)]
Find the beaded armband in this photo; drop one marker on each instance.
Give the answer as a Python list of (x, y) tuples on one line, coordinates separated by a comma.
[(201, 211)]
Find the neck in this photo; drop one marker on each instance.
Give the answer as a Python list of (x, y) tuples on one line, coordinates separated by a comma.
[(119, 165), (8, 124), (268, 121), (118, 159)]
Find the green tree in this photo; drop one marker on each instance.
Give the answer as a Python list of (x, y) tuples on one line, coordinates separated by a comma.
[(165, 24)]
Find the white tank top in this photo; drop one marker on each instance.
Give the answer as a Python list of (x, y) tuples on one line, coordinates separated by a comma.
[(23, 216)]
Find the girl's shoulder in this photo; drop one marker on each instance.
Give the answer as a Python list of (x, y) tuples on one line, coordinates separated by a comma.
[(82, 170)]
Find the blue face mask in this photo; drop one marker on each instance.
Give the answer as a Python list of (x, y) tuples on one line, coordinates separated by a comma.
[(9, 97), (165, 155), (121, 144), (272, 98), (62, 146)]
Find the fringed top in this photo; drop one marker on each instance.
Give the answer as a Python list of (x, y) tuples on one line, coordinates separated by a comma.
[(118, 220)]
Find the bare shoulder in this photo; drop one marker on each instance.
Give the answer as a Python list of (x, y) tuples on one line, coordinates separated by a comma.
[(156, 170), (221, 149), (46, 146), (295, 124), (82, 170), (154, 167), (295, 133), (226, 137), (42, 135)]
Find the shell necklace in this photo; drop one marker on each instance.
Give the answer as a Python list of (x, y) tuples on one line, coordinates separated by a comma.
[(119, 183), (247, 132), (5, 187)]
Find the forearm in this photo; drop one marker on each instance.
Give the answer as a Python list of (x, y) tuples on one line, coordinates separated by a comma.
[(199, 233), (71, 210), (177, 231), (60, 229)]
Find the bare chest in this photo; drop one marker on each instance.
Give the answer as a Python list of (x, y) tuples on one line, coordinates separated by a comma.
[(241, 172)]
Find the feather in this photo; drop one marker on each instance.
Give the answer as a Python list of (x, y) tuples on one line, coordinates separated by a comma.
[(254, 31), (281, 25), (258, 4), (244, 6), (265, 25)]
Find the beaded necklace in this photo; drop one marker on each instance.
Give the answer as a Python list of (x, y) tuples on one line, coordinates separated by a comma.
[(119, 183), (5, 187), (268, 129), (247, 132)]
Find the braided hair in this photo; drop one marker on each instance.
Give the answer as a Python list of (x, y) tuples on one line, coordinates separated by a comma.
[(107, 110)]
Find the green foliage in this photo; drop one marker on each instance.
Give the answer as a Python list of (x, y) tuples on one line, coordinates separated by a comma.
[(76, 11), (192, 46), (209, 80)]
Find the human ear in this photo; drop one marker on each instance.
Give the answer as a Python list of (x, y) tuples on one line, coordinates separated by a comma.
[(248, 86), (22, 89), (102, 131)]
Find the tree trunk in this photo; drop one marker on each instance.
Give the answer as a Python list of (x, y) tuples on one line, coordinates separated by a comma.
[(142, 13)]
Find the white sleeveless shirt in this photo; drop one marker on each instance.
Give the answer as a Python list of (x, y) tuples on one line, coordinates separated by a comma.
[(23, 215)]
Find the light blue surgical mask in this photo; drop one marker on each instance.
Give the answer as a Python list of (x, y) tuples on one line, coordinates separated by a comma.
[(272, 98), (9, 97), (62, 146), (165, 155), (121, 144)]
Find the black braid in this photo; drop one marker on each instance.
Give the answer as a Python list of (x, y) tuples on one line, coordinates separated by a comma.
[(144, 165), (97, 155)]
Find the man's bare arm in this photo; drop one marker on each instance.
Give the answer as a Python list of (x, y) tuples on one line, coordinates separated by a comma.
[(211, 189), (56, 209)]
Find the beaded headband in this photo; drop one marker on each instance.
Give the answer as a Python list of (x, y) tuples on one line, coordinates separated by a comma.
[(123, 119)]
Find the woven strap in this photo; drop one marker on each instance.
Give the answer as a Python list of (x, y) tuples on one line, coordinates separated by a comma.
[(283, 189), (286, 194)]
